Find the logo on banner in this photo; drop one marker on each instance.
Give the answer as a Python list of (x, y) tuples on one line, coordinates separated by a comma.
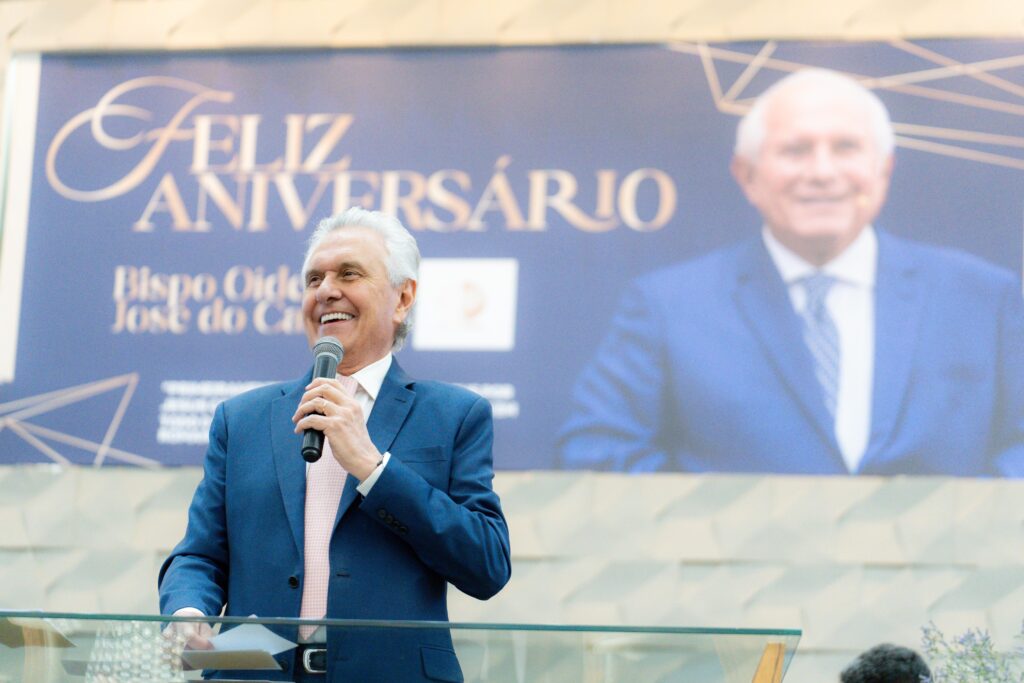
[(466, 305)]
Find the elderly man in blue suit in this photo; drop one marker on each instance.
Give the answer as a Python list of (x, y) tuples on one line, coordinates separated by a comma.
[(822, 345), (399, 505)]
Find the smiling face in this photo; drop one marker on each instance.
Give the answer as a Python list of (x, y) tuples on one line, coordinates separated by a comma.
[(819, 178), (348, 296)]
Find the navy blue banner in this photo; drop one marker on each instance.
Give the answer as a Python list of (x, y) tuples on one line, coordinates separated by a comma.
[(167, 199)]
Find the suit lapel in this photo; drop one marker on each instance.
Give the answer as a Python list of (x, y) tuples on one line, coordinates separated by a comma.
[(291, 468), (389, 412), (764, 304), (898, 303)]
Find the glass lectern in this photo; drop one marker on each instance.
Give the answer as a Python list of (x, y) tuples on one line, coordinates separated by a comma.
[(38, 647)]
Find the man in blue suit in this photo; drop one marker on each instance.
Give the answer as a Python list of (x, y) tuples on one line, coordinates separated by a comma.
[(411, 466), (820, 346)]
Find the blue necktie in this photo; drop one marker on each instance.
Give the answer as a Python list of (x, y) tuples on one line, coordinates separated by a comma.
[(822, 337)]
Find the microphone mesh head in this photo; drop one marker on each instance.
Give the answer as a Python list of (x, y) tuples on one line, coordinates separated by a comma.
[(329, 346)]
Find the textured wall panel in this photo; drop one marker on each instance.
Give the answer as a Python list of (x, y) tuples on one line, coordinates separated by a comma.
[(850, 561)]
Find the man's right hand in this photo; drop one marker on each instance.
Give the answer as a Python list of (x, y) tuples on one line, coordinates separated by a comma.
[(191, 635)]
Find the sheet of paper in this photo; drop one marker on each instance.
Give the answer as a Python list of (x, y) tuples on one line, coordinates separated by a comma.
[(230, 659), (247, 646), (251, 637)]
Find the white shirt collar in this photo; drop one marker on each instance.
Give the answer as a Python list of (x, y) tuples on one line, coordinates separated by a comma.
[(371, 377), (856, 265)]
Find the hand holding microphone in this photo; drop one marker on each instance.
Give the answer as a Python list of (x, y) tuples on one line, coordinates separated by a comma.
[(327, 355), (328, 411)]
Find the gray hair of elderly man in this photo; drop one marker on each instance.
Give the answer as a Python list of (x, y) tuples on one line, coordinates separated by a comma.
[(403, 262), (752, 129)]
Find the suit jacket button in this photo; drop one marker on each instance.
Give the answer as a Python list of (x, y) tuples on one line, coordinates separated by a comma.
[(382, 513), (403, 528), (293, 581)]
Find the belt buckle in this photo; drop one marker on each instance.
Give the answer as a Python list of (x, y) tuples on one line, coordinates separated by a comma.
[(307, 660)]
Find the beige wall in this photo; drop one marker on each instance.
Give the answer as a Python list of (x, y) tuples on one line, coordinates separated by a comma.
[(35, 25)]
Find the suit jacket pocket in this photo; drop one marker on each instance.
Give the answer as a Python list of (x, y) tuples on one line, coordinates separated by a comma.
[(441, 665), (424, 454), (430, 463)]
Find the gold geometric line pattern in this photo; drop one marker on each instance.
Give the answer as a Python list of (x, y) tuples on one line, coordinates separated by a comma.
[(935, 57), (956, 98), (748, 74), (962, 135), (115, 422), (726, 55), (729, 100), (953, 68), (32, 400), (708, 62), (960, 152), (45, 449), (85, 444), (56, 399), (32, 406), (711, 53)]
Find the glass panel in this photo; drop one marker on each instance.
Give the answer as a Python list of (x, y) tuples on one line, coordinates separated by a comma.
[(95, 648)]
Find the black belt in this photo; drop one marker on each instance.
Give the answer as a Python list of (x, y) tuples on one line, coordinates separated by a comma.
[(313, 659)]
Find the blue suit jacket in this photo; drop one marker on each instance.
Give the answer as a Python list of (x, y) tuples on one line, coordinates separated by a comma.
[(431, 518), (705, 369)]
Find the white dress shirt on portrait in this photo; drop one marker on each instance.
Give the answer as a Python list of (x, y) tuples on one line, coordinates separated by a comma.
[(851, 303)]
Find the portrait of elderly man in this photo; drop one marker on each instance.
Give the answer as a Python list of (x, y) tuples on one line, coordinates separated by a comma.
[(821, 345), (399, 505)]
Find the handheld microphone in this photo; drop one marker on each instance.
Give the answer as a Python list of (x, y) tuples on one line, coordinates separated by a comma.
[(327, 354)]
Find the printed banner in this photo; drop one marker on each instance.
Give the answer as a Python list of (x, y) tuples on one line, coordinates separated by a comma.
[(157, 207)]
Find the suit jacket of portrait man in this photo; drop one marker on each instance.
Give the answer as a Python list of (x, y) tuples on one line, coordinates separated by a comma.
[(705, 369), (431, 518)]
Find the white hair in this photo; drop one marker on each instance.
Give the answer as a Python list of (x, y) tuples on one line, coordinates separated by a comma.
[(403, 261), (751, 131)]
